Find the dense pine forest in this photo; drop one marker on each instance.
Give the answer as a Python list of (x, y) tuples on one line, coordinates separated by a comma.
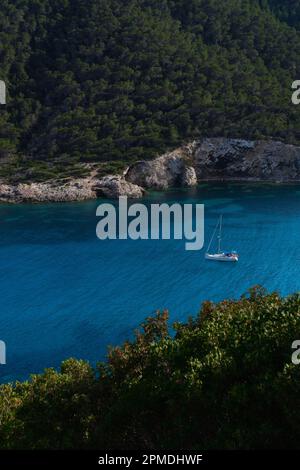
[(118, 80), (286, 10)]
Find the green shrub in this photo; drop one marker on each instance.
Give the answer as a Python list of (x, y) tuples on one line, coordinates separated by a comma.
[(223, 380)]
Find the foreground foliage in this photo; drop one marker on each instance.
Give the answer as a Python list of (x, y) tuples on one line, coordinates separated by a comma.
[(224, 380)]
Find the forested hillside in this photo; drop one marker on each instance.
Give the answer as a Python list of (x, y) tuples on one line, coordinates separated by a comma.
[(102, 80), (286, 10)]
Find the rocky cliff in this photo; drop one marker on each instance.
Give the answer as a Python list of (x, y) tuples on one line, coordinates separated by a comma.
[(168, 171), (72, 190), (219, 159), (237, 159), (206, 159)]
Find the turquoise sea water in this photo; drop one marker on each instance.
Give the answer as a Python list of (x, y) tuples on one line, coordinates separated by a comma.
[(65, 293)]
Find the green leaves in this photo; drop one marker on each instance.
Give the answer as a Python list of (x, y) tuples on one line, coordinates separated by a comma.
[(223, 380)]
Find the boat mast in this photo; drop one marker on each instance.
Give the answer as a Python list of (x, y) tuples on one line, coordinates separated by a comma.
[(220, 234), (213, 236)]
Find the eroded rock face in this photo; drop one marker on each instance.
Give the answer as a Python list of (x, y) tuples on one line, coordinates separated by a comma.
[(189, 177), (238, 159), (75, 190), (206, 159), (116, 186), (168, 171)]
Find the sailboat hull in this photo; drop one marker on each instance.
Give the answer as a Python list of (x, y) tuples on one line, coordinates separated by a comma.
[(225, 256), (222, 257)]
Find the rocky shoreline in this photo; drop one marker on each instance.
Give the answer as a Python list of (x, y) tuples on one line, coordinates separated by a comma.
[(217, 159)]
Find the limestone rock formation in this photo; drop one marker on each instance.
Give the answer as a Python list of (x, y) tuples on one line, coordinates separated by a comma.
[(206, 159), (237, 159), (115, 186), (168, 171)]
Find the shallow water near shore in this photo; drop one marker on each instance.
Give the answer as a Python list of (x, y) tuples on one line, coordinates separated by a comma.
[(65, 293)]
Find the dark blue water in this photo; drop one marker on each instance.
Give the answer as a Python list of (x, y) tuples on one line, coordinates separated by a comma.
[(65, 293)]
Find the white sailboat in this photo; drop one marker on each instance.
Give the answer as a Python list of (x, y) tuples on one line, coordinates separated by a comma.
[(220, 255)]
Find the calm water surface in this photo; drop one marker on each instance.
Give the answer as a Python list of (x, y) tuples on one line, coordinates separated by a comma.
[(65, 293)]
